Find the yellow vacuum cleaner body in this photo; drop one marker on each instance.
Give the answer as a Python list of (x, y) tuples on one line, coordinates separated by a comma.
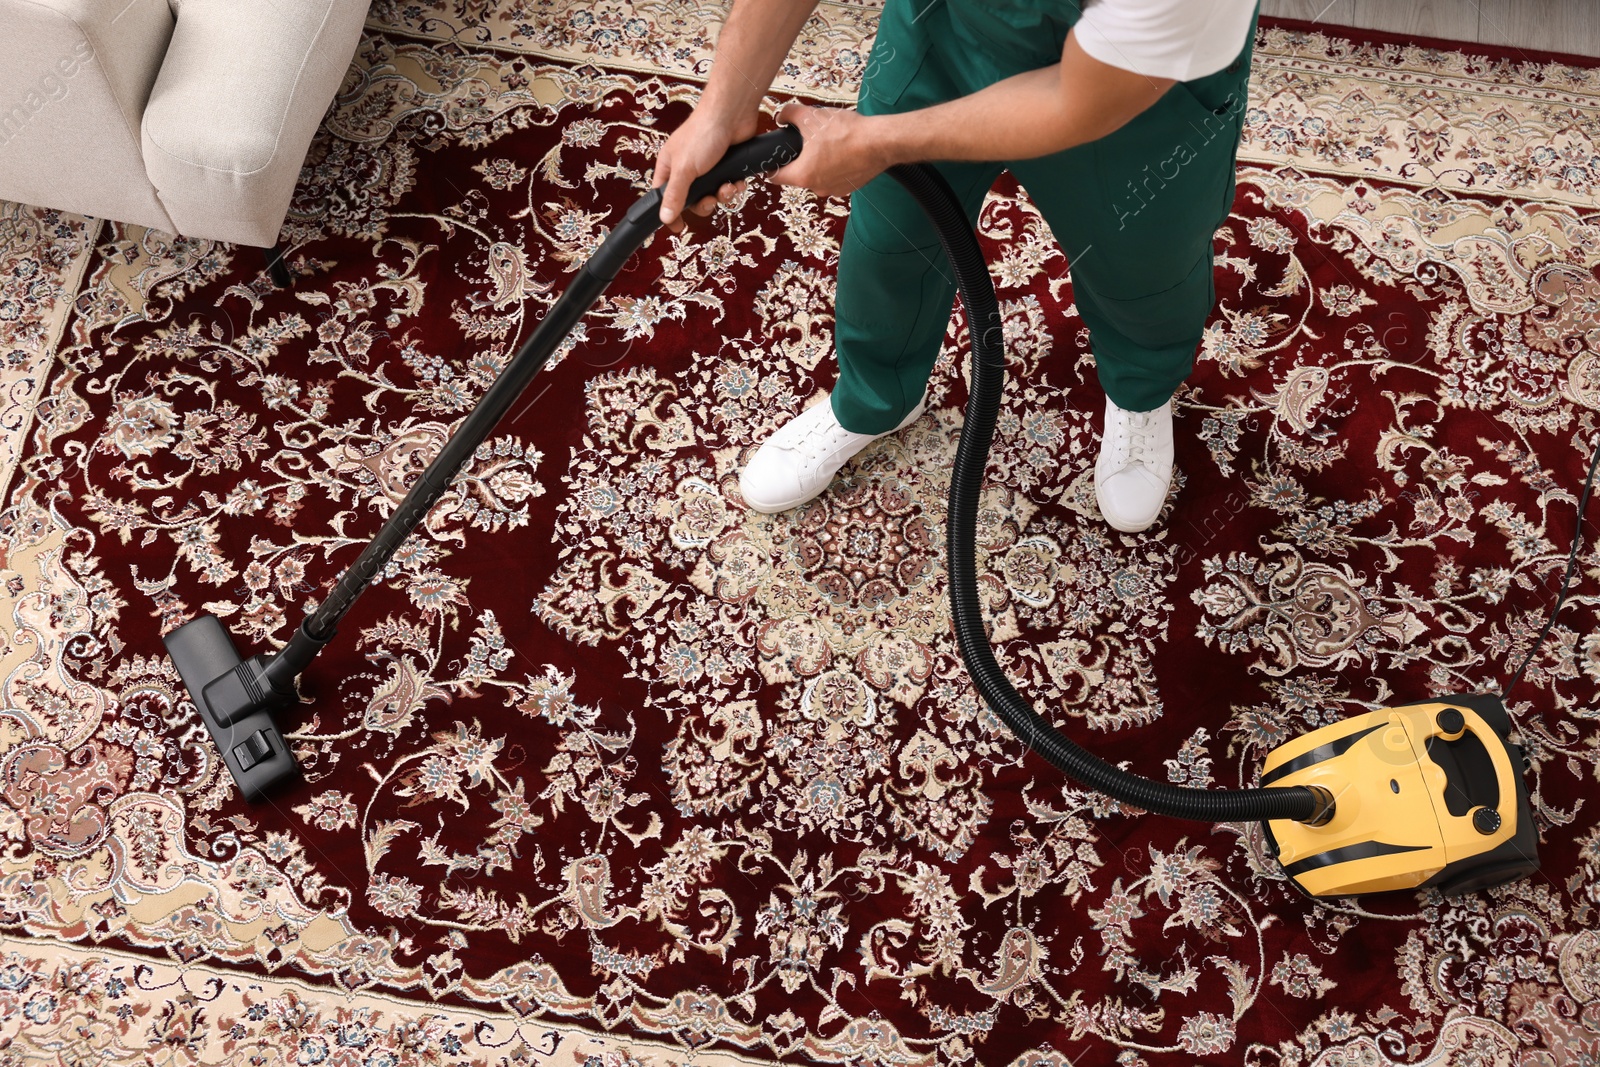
[(1427, 794)]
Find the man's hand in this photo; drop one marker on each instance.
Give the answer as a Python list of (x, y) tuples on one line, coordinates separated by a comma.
[(750, 49), (693, 149), (842, 152)]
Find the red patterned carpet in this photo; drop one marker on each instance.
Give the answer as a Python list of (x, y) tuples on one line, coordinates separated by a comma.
[(607, 769)]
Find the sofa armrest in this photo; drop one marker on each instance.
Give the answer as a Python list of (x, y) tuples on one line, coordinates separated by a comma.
[(239, 97)]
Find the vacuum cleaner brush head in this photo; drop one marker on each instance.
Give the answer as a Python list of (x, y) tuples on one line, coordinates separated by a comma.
[(235, 703), (1426, 794)]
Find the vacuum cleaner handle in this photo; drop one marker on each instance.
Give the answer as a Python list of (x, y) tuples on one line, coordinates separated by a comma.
[(761, 154)]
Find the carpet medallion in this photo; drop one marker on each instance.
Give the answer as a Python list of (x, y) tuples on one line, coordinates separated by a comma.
[(608, 769)]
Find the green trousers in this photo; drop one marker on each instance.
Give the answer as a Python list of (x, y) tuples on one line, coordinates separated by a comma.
[(1134, 212)]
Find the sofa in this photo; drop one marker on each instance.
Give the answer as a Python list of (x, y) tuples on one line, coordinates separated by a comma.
[(188, 116)]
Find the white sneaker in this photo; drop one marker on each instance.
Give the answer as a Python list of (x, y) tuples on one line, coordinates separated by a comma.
[(1134, 470), (801, 457)]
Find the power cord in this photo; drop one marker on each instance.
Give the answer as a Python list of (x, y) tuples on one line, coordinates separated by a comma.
[(1566, 579)]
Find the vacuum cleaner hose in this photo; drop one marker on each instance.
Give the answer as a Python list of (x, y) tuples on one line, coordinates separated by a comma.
[(1300, 804)]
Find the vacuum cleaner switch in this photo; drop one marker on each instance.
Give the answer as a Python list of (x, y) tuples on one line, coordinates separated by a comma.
[(1427, 794), (241, 725)]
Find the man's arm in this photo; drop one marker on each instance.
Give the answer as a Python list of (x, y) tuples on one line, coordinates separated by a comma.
[(1073, 102), (750, 49)]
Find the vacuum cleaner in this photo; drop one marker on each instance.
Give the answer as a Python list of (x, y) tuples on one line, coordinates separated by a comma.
[(1425, 794)]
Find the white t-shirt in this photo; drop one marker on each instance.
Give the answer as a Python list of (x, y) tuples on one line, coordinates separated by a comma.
[(1178, 39)]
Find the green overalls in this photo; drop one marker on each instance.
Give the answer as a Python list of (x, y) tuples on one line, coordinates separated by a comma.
[(1134, 211)]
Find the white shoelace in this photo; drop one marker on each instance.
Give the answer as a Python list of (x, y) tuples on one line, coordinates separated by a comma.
[(819, 440), (1136, 442)]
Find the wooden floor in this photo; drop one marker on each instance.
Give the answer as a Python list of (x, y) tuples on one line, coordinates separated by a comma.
[(1554, 25)]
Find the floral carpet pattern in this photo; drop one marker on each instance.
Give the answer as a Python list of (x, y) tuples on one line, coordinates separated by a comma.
[(607, 769)]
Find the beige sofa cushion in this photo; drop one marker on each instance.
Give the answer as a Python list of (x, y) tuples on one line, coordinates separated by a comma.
[(240, 94)]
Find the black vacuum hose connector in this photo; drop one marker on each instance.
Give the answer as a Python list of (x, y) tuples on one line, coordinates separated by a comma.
[(928, 187)]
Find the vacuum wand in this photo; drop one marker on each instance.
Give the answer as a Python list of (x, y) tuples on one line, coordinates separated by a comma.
[(236, 697)]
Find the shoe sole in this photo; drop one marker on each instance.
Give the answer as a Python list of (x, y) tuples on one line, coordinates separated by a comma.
[(1119, 527), (775, 509)]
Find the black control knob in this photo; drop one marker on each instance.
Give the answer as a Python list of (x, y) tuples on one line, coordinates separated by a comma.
[(1486, 821), (1450, 722)]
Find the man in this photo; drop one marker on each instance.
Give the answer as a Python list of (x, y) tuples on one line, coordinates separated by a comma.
[(1120, 119)]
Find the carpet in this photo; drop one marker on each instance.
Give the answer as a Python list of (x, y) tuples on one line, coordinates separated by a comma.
[(606, 769)]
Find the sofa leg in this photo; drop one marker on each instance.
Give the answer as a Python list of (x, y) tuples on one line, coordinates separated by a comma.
[(277, 269)]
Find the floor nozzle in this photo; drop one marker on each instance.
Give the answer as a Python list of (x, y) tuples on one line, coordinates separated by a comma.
[(235, 699)]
